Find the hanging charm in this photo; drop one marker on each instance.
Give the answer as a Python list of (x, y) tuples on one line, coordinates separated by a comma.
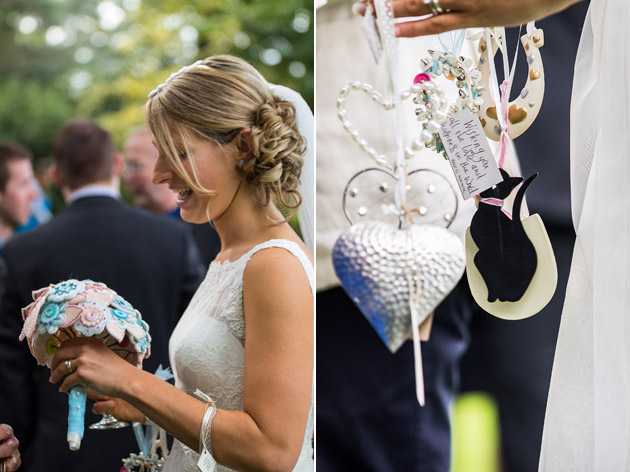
[(377, 264), (510, 264), (522, 111), (433, 107), (396, 271)]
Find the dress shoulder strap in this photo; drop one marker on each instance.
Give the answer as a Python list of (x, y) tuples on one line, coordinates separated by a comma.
[(294, 249)]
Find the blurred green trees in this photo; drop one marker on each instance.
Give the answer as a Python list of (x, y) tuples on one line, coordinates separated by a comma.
[(61, 59)]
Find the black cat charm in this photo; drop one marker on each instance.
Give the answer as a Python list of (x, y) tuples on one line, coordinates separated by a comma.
[(506, 258)]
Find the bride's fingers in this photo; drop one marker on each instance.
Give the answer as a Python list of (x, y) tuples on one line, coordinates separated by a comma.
[(104, 407), (92, 395), (359, 8), (63, 366), (13, 462), (404, 8), (432, 25)]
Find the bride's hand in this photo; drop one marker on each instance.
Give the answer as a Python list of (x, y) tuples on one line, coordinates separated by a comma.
[(93, 365), (459, 14), (120, 409)]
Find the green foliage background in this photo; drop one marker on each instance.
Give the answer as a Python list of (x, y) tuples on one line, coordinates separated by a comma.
[(61, 59)]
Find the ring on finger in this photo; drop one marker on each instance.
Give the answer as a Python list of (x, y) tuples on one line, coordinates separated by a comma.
[(435, 7), (69, 366)]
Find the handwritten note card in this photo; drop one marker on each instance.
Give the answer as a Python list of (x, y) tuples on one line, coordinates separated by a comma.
[(469, 153)]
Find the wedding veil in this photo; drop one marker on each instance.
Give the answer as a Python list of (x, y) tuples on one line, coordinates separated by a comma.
[(306, 126), (587, 423)]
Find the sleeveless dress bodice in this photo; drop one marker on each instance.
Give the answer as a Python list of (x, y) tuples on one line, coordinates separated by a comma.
[(207, 348)]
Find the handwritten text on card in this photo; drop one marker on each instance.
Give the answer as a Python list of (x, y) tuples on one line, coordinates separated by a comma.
[(469, 153)]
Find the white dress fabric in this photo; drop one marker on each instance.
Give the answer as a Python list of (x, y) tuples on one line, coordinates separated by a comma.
[(587, 422), (207, 348)]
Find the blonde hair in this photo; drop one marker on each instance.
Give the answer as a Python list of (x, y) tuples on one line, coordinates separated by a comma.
[(216, 99)]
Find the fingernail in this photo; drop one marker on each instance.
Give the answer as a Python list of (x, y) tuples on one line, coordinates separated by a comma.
[(358, 8), (396, 30)]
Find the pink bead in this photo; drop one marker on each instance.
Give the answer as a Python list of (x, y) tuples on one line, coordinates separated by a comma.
[(421, 77)]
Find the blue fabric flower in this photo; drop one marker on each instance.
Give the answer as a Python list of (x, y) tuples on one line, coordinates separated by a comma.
[(123, 305), (50, 317), (141, 344), (66, 290)]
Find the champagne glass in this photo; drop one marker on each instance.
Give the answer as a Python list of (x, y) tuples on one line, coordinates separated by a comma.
[(109, 422)]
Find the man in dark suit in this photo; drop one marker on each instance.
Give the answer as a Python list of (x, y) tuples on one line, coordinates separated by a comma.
[(148, 260)]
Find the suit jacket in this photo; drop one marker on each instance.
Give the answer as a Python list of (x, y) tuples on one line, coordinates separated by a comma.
[(150, 261)]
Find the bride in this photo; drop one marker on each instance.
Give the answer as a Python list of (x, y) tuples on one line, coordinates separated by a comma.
[(231, 150)]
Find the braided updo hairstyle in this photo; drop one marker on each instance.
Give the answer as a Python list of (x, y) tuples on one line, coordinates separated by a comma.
[(217, 98)]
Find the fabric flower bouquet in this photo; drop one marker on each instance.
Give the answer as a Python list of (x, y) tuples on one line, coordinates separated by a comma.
[(83, 308)]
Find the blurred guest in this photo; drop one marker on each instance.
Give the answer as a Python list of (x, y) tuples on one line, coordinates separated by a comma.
[(9, 453), (45, 173), (40, 208), (150, 261), (140, 156), (16, 189)]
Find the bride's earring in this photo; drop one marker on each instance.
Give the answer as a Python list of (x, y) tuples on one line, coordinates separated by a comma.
[(244, 147)]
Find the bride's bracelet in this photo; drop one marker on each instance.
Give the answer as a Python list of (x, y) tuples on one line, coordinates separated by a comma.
[(206, 425)]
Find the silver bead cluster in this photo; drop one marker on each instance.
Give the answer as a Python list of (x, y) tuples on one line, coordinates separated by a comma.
[(149, 464), (433, 107)]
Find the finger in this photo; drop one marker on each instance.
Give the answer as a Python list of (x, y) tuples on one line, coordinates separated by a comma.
[(92, 395), (6, 432), (8, 447), (70, 381), (67, 351), (60, 371), (13, 462), (432, 25), (359, 8), (103, 407), (404, 8)]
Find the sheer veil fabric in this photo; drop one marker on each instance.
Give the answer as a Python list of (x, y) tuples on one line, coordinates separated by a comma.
[(306, 125), (587, 422)]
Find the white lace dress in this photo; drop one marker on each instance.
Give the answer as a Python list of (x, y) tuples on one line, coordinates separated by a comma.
[(207, 348)]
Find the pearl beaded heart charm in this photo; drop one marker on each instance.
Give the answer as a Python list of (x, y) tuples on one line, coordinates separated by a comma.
[(377, 98), (379, 266), (432, 107)]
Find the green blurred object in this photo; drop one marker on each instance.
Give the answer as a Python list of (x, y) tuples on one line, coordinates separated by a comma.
[(475, 434)]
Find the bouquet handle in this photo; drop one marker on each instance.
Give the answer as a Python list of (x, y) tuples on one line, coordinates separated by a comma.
[(76, 416)]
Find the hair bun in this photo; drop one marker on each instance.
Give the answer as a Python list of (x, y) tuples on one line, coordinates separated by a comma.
[(278, 148)]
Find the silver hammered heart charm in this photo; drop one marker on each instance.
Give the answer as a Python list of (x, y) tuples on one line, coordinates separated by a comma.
[(379, 266)]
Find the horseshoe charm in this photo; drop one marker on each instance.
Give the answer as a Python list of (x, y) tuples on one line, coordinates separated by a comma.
[(524, 109)]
